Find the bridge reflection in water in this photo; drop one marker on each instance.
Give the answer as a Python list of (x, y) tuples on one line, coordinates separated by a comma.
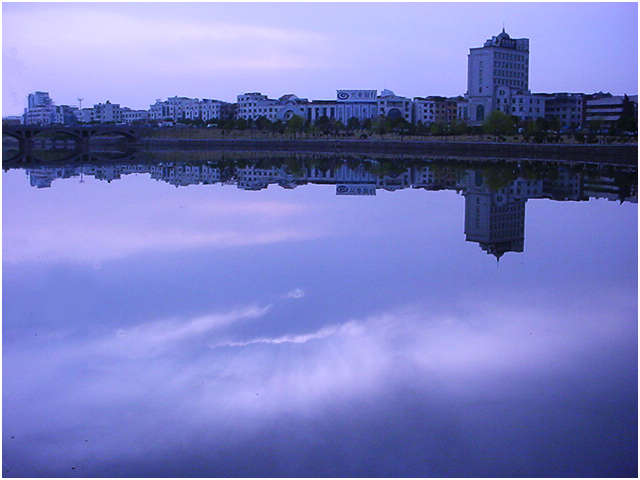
[(495, 192), (66, 156)]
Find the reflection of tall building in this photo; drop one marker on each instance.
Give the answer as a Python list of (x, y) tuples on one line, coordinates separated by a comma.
[(495, 220), (495, 195)]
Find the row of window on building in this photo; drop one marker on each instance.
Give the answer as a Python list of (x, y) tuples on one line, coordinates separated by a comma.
[(572, 110)]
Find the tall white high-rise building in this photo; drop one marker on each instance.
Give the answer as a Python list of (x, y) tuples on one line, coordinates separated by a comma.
[(498, 79), (501, 61)]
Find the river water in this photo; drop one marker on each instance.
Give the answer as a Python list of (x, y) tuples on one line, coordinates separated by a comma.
[(319, 316)]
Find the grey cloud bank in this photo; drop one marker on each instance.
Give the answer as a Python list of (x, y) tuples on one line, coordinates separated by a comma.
[(135, 53)]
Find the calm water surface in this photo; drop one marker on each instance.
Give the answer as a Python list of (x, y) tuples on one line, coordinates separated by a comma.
[(211, 330)]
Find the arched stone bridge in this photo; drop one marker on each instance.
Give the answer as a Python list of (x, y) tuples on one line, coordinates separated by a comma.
[(27, 132)]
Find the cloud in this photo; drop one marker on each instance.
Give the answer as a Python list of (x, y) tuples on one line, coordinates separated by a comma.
[(295, 293), (157, 337), (163, 369), (348, 328), (169, 42), (95, 243), (188, 221), (96, 26), (247, 207), (98, 54)]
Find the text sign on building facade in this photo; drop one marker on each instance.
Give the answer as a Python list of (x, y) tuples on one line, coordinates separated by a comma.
[(357, 95)]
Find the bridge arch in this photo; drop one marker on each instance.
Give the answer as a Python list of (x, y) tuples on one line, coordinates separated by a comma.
[(25, 134), (128, 134), (73, 157), (12, 135), (62, 131)]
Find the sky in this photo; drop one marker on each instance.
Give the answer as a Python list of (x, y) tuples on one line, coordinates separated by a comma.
[(135, 53)]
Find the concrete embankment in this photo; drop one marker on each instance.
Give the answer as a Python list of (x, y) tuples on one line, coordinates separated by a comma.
[(611, 154)]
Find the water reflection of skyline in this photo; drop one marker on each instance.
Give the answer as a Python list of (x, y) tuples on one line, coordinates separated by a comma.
[(238, 328), (495, 194)]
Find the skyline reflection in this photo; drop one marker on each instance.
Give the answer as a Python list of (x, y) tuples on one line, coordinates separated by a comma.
[(495, 197)]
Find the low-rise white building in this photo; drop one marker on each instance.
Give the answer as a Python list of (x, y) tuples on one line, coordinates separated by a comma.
[(393, 106), (42, 111), (567, 108), (134, 116), (85, 115), (434, 109), (107, 112), (522, 104), (184, 108), (317, 109), (607, 110), (100, 113), (359, 104), (49, 115), (42, 115), (254, 105), (512, 101)]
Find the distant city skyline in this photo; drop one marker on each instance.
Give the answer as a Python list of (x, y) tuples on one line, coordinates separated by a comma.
[(135, 53)]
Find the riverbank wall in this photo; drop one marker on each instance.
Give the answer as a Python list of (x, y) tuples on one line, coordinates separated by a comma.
[(599, 153)]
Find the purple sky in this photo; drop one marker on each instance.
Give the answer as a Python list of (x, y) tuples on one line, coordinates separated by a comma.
[(134, 53)]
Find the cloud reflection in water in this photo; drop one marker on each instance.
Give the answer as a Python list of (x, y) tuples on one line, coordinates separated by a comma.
[(365, 351), (167, 369)]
